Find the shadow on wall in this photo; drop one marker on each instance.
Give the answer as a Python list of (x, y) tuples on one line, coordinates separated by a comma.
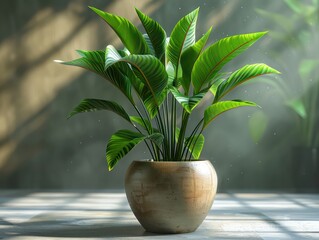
[(39, 147), (35, 138)]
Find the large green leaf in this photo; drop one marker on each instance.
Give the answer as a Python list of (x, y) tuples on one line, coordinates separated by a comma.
[(90, 105), (216, 56), (173, 79), (90, 60), (124, 141), (189, 57), (145, 123), (195, 148), (182, 37), (170, 73), (113, 60), (218, 108), (121, 74), (155, 33), (188, 103), (149, 44), (150, 70), (121, 81), (195, 145), (130, 36), (95, 62), (216, 81), (151, 79), (146, 67), (154, 77), (241, 75), (152, 104)]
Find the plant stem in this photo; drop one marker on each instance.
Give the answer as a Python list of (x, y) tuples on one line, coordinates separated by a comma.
[(167, 150), (166, 140), (186, 147), (152, 151), (173, 128), (149, 131), (181, 137), (161, 131), (190, 155)]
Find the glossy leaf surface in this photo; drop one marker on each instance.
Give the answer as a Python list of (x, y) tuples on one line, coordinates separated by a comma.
[(156, 35), (242, 75), (189, 57), (95, 62), (130, 36), (216, 56), (188, 103), (123, 141), (182, 37), (196, 144), (147, 125), (218, 108), (151, 76), (90, 105), (90, 60)]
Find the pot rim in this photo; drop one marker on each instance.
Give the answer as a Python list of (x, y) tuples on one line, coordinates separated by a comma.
[(163, 161)]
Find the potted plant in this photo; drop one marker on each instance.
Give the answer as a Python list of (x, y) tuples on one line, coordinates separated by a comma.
[(174, 190)]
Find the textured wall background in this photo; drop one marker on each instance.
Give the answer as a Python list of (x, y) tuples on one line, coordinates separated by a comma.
[(40, 148)]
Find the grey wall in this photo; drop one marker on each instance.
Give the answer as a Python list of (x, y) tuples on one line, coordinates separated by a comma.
[(40, 148)]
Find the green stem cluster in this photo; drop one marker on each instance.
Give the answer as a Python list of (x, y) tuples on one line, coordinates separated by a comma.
[(173, 147)]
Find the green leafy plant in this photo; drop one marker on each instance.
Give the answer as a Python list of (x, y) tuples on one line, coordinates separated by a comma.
[(297, 30), (164, 78)]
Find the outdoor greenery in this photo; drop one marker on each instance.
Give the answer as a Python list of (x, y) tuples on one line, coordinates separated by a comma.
[(297, 31), (165, 79)]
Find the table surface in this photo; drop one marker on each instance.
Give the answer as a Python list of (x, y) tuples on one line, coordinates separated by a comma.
[(106, 214)]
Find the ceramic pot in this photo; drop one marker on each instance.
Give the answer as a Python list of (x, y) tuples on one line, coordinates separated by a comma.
[(171, 197)]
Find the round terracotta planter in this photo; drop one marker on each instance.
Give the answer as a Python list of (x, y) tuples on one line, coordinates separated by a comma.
[(170, 197)]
